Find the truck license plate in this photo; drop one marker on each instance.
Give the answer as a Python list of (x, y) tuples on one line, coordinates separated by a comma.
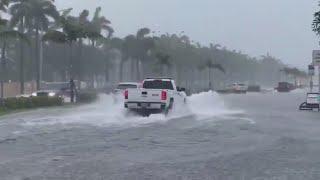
[(144, 105)]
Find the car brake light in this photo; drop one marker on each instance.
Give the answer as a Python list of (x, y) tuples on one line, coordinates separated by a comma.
[(126, 94), (164, 95)]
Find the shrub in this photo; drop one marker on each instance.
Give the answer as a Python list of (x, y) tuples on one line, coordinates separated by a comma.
[(46, 101), (32, 102)]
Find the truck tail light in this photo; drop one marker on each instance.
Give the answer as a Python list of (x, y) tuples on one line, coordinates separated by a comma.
[(164, 95), (126, 94)]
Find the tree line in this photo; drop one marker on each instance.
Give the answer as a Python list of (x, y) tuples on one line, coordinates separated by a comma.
[(42, 43)]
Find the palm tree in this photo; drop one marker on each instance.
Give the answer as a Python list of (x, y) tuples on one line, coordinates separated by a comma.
[(211, 66), (3, 7), (83, 22), (35, 15), (142, 49), (118, 44), (4, 4), (100, 23), (316, 22), (129, 51), (164, 61), (70, 34), (94, 33), (7, 33)]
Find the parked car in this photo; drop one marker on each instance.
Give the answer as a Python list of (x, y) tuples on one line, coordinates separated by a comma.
[(157, 95)]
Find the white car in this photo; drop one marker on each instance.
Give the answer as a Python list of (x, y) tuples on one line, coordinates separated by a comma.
[(239, 88), (157, 95)]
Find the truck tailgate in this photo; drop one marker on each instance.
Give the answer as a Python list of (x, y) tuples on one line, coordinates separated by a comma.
[(144, 95)]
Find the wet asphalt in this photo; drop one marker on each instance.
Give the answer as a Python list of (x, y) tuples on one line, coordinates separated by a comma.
[(264, 137)]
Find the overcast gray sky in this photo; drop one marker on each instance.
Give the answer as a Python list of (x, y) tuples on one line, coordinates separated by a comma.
[(280, 27)]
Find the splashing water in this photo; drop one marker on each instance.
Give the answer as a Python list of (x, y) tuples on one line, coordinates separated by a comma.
[(108, 112)]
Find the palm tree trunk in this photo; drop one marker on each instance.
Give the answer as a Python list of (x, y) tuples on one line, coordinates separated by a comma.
[(138, 70), (71, 73), (107, 78), (210, 82), (38, 76), (21, 44), (3, 69), (121, 69), (80, 47), (40, 58), (163, 70), (92, 75), (64, 71), (132, 70)]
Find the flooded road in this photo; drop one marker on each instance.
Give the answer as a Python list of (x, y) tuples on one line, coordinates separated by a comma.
[(249, 137)]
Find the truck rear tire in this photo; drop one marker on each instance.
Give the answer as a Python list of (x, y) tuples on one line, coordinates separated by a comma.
[(171, 104), (167, 110)]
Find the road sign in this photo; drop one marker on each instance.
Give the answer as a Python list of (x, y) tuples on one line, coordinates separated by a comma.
[(316, 57)]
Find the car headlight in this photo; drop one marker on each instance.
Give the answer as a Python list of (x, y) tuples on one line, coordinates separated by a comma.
[(52, 94), (34, 94)]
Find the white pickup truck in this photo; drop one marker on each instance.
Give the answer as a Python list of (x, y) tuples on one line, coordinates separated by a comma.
[(157, 95)]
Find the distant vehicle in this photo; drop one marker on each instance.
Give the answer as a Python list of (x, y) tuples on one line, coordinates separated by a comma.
[(254, 88), (239, 88), (312, 102), (51, 89), (284, 87), (118, 92), (45, 93), (121, 87), (157, 95)]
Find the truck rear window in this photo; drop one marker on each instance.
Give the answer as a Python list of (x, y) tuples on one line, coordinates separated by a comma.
[(158, 84)]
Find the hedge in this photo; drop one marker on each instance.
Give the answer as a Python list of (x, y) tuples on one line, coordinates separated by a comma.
[(38, 102), (32, 102)]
